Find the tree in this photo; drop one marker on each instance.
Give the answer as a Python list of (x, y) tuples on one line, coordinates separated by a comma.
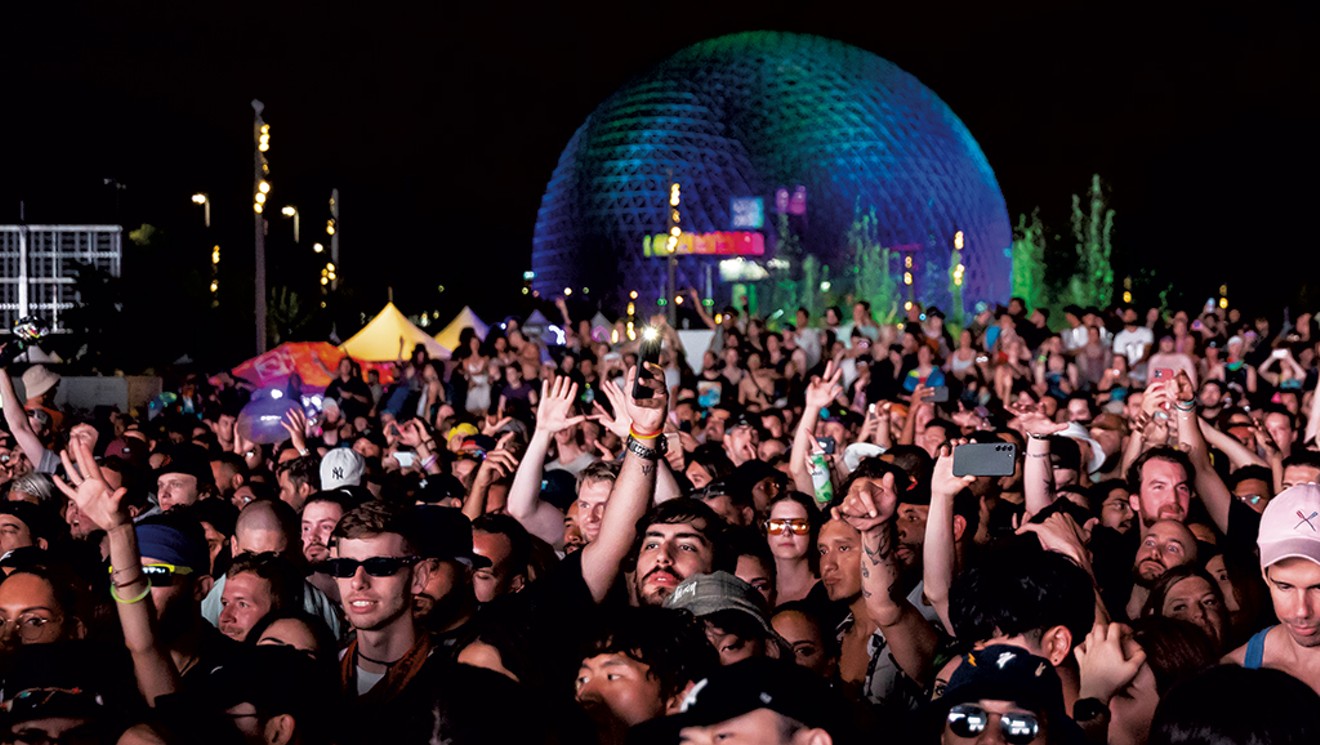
[(872, 280), (1028, 279), (1092, 229)]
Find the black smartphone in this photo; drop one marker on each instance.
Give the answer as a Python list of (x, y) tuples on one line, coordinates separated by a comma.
[(939, 394), (826, 444), (650, 352), (984, 459)]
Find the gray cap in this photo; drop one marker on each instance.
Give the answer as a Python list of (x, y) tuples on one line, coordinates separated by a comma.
[(704, 594)]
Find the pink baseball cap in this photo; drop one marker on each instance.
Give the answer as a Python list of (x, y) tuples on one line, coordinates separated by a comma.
[(1290, 526)]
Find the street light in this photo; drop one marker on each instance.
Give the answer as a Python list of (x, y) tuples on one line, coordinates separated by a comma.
[(200, 198), (292, 211)]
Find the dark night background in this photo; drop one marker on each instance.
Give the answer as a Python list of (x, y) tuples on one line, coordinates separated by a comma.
[(440, 124)]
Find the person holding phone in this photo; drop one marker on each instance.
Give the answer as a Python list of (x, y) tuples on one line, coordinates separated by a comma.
[(1167, 357)]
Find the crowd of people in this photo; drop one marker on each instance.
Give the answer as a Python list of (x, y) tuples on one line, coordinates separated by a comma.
[(788, 541)]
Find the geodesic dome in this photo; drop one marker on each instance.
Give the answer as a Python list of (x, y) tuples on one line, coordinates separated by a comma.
[(746, 115)]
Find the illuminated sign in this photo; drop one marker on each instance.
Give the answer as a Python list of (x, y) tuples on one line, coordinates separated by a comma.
[(747, 213), (724, 243)]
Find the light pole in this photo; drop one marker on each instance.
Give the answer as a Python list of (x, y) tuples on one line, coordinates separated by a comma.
[(261, 190), (292, 211), (202, 199)]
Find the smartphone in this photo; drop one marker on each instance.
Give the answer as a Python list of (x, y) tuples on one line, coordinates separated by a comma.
[(939, 394), (1279, 354), (650, 352), (826, 444), (1162, 373), (406, 458), (984, 459)]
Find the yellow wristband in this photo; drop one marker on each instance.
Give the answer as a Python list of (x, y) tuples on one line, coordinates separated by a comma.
[(130, 601)]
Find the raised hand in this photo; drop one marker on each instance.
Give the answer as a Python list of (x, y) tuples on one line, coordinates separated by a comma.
[(942, 480), (295, 423), (96, 501), (85, 433), (1061, 534), (619, 421), (498, 463), (1185, 391), (1158, 398), (647, 414), (490, 428), (869, 505), (1104, 666), (823, 389), (1032, 422), (554, 413), (411, 433)]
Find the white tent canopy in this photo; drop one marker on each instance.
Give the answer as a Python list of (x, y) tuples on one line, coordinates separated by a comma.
[(448, 338), (388, 336)]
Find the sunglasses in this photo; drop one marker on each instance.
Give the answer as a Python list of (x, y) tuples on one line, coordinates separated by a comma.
[(798, 525), (162, 574), (970, 720), (376, 566)]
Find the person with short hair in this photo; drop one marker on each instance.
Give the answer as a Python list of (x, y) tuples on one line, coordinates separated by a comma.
[(1289, 545)]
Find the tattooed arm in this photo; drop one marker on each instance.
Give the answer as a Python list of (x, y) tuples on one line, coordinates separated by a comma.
[(869, 509), (1037, 473)]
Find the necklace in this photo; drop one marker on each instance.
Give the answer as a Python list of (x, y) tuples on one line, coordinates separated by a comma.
[(376, 662)]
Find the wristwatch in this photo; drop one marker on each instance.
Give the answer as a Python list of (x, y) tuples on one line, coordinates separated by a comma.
[(1088, 709), (646, 453)]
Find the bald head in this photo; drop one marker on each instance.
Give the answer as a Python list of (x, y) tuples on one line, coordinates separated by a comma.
[(266, 526)]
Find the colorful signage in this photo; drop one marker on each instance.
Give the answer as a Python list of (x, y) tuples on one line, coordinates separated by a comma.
[(723, 243)]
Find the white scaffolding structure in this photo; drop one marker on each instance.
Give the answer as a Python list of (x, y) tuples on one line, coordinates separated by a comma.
[(38, 268)]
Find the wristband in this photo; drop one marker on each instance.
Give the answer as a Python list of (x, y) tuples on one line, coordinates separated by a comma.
[(1184, 405), (145, 592), (643, 436), (1037, 436), (429, 462)]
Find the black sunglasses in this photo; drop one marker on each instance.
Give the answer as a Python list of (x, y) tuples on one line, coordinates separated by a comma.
[(970, 720), (376, 566)]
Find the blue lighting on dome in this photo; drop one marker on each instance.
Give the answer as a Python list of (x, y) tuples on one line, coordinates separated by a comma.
[(747, 115)]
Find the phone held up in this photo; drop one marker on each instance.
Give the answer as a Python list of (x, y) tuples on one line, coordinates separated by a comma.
[(984, 459), (649, 353)]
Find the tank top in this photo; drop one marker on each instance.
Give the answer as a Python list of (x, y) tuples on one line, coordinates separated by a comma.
[(1256, 649)]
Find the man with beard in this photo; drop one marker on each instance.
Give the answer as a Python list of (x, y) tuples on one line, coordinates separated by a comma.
[(676, 540), (1165, 545), (1290, 561), (1161, 485), (446, 604)]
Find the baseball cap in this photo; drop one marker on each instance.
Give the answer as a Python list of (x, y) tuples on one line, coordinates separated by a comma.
[(762, 683), (191, 460), (342, 467), (176, 542), (1290, 526), (465, 429), (705, 594), (446, 533), (1006, 673)]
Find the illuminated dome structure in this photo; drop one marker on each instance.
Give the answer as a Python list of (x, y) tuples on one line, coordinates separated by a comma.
[(816, 129)]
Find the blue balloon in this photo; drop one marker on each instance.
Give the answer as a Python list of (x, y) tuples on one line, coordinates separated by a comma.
[(261, 420)]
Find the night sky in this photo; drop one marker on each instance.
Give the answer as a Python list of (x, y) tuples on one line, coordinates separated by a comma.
[(440, 127)]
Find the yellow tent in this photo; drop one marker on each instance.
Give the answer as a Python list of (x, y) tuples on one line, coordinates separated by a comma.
[(449, 337), (390, 331)]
